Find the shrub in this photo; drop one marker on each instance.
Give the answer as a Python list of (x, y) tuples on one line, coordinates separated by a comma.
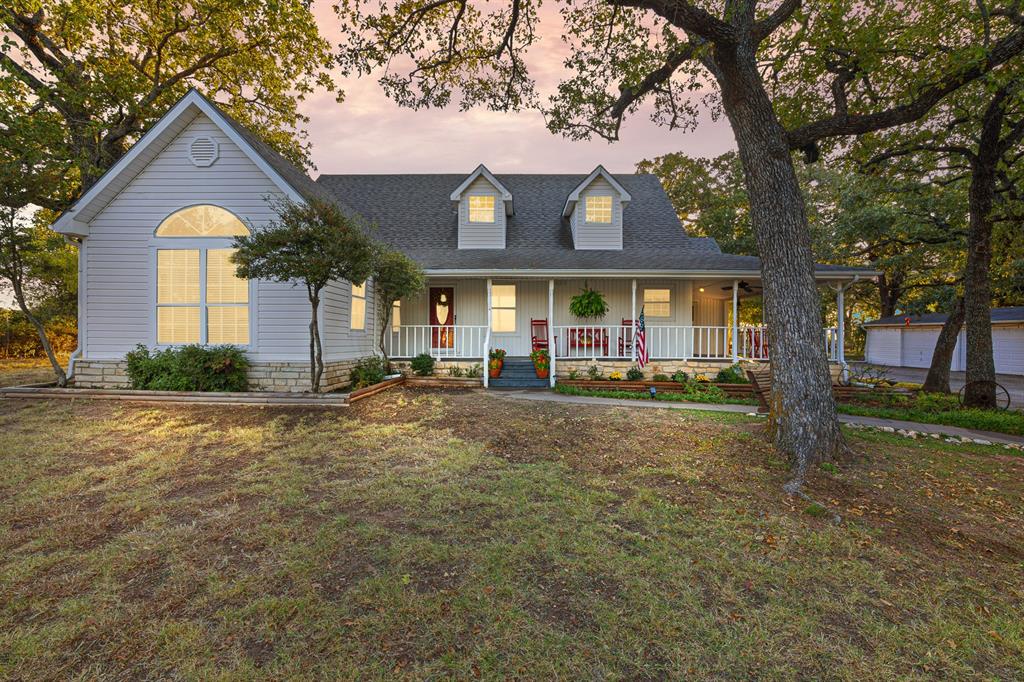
[(661, 377), (368, 371), (475, 372), (594, 372), (456, 371), (635, 374), (422, 365), (680, 377), (935, 403), (731, 375), (188, 368), (574, 374)]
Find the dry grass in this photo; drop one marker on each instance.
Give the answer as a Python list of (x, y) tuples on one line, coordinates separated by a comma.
[(19, 371), (456, 535)]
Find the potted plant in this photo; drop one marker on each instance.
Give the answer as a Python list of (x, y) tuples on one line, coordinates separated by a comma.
[(588, 304), (496, 355), (494, 366), (541, 362)]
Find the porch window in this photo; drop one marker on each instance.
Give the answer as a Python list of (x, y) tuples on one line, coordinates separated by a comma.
[(184, 304), (359, 306), (396, 316), (481, 208), (503, 308), (598, 209), (658, 302)]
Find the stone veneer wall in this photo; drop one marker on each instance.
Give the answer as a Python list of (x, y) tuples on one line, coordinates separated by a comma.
[(285, 377), (692, 367), (441, 367)]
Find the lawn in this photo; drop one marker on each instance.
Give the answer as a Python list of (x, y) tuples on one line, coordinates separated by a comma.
[(19, 371), (460, 535)]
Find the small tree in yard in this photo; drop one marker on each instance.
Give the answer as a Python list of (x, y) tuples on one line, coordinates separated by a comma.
[(310, 243), (21, 253), (395, 276)]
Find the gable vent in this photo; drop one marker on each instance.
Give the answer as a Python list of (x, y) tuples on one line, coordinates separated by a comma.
[(203, 151)]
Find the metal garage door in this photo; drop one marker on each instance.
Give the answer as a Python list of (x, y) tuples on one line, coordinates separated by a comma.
[(918, 346), (883, 345), (1008, 349)]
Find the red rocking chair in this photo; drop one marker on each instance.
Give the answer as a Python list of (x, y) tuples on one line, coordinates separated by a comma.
[(626, 338), (539, 334)]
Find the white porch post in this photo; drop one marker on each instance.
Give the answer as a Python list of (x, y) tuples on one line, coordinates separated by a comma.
[(632, 316), (552, 346), (841, 326), (735, 320)]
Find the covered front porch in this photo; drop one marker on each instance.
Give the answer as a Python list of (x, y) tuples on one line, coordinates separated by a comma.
[(692, 318)]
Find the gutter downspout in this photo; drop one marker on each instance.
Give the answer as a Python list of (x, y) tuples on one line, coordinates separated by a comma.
[(77, 352)]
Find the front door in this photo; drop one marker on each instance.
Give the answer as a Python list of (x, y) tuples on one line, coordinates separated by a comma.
[(442, 317)]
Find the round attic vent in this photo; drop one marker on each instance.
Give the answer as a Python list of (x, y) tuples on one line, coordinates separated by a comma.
[(203, 151)]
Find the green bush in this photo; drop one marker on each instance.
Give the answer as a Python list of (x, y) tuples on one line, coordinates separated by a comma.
[(635, 374), (680, 377), (731, 375), (475, 372), (188, 368), (456, 371), (594, 372), (422, 365), (368, 371), (661, 377)]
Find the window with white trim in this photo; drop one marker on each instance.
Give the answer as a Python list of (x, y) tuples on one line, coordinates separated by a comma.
[(358, 306), (503, 308), (598, 208), (481, 208), (658, 302), (199, 296), (396, 316)]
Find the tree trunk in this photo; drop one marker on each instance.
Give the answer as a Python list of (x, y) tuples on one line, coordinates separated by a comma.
[(19, 297), (937, 380), (981, 369), (803, 414), (316, 355), (888, 294)]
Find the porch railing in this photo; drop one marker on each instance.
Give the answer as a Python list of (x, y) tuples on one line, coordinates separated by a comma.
[(594, 342), (438, 341)]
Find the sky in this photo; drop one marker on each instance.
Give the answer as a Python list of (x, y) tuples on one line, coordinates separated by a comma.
[(368, 133)]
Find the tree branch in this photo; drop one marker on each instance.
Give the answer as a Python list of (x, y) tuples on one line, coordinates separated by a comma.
[(687, 16), (764, 28)]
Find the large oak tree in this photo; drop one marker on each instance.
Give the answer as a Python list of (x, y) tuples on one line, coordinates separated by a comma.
[(855, 66)]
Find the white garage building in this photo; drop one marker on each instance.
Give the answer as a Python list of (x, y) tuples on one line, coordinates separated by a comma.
[(908, 341)]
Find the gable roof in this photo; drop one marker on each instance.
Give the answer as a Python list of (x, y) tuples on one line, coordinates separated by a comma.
[(294, 183), (481, 170), (1005, 315), (424, 226), (574, 195)]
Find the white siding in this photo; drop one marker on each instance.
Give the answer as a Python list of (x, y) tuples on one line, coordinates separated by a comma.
[(1008, 348), (119, 256), (883, 346), (917, 346), (481, 235), (341, 342), (588, 236)]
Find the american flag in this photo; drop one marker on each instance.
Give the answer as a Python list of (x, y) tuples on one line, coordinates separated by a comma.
[(641, 340)]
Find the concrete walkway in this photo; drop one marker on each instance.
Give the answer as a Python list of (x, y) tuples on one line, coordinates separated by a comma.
[(951, 431)]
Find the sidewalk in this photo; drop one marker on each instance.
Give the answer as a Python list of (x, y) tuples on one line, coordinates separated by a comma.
[(951, 431)]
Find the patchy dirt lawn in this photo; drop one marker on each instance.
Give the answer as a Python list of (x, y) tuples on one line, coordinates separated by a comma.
[(460, 535), (15, 371)]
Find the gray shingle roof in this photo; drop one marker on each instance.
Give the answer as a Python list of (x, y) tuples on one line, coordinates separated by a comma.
[(415, 215), (1008, 314)]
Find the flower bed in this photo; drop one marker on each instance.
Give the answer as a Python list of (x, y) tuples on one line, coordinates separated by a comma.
[(731, 390)]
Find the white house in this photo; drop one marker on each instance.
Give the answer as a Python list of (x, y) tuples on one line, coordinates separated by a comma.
[(909, 341), (503, 255)]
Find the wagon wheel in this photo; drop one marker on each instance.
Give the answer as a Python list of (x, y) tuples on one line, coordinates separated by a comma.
[(1002, 395)]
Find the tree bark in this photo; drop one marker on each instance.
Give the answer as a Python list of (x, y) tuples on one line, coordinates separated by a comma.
[(316, 354), (803, 418), (937, 380), (981, 369)]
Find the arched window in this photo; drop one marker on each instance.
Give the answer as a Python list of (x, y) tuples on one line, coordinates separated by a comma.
[(202, 221), (199, 298)]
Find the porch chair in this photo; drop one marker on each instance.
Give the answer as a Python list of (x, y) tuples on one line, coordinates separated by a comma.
[(539, 334), (626, 338)]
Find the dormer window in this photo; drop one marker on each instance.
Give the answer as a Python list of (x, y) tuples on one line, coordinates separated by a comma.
[(481, 208), (598, 209)]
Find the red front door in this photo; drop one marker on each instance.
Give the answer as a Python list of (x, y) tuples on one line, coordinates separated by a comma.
[(442, 317)]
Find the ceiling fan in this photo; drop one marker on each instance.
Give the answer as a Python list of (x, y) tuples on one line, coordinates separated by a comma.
[(745, 286)]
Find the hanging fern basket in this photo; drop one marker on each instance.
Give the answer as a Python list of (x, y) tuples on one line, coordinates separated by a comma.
[(588, 304)]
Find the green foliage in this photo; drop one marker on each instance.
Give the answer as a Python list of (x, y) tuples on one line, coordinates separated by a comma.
[(661, 377), (574, 374), (541, 359), (475, 372), (732, 374), (83, 78), (1009, 421), (19, 338), (594, 373), (635, 373), (395, 277), (692, 393), (368, 371), (422, 365), (496, 354), (188, 368), (680, 377), (456, 371), (588, 304)]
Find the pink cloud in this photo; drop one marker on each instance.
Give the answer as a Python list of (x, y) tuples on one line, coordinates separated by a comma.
[(368, 133)]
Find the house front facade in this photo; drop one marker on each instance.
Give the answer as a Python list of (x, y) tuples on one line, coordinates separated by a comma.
[(503, 255)]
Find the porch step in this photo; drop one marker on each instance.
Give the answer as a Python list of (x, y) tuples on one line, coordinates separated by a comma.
[(518, 373)]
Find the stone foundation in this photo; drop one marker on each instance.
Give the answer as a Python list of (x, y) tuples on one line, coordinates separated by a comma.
[(708, 368), (282, 377), (441, 367)]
